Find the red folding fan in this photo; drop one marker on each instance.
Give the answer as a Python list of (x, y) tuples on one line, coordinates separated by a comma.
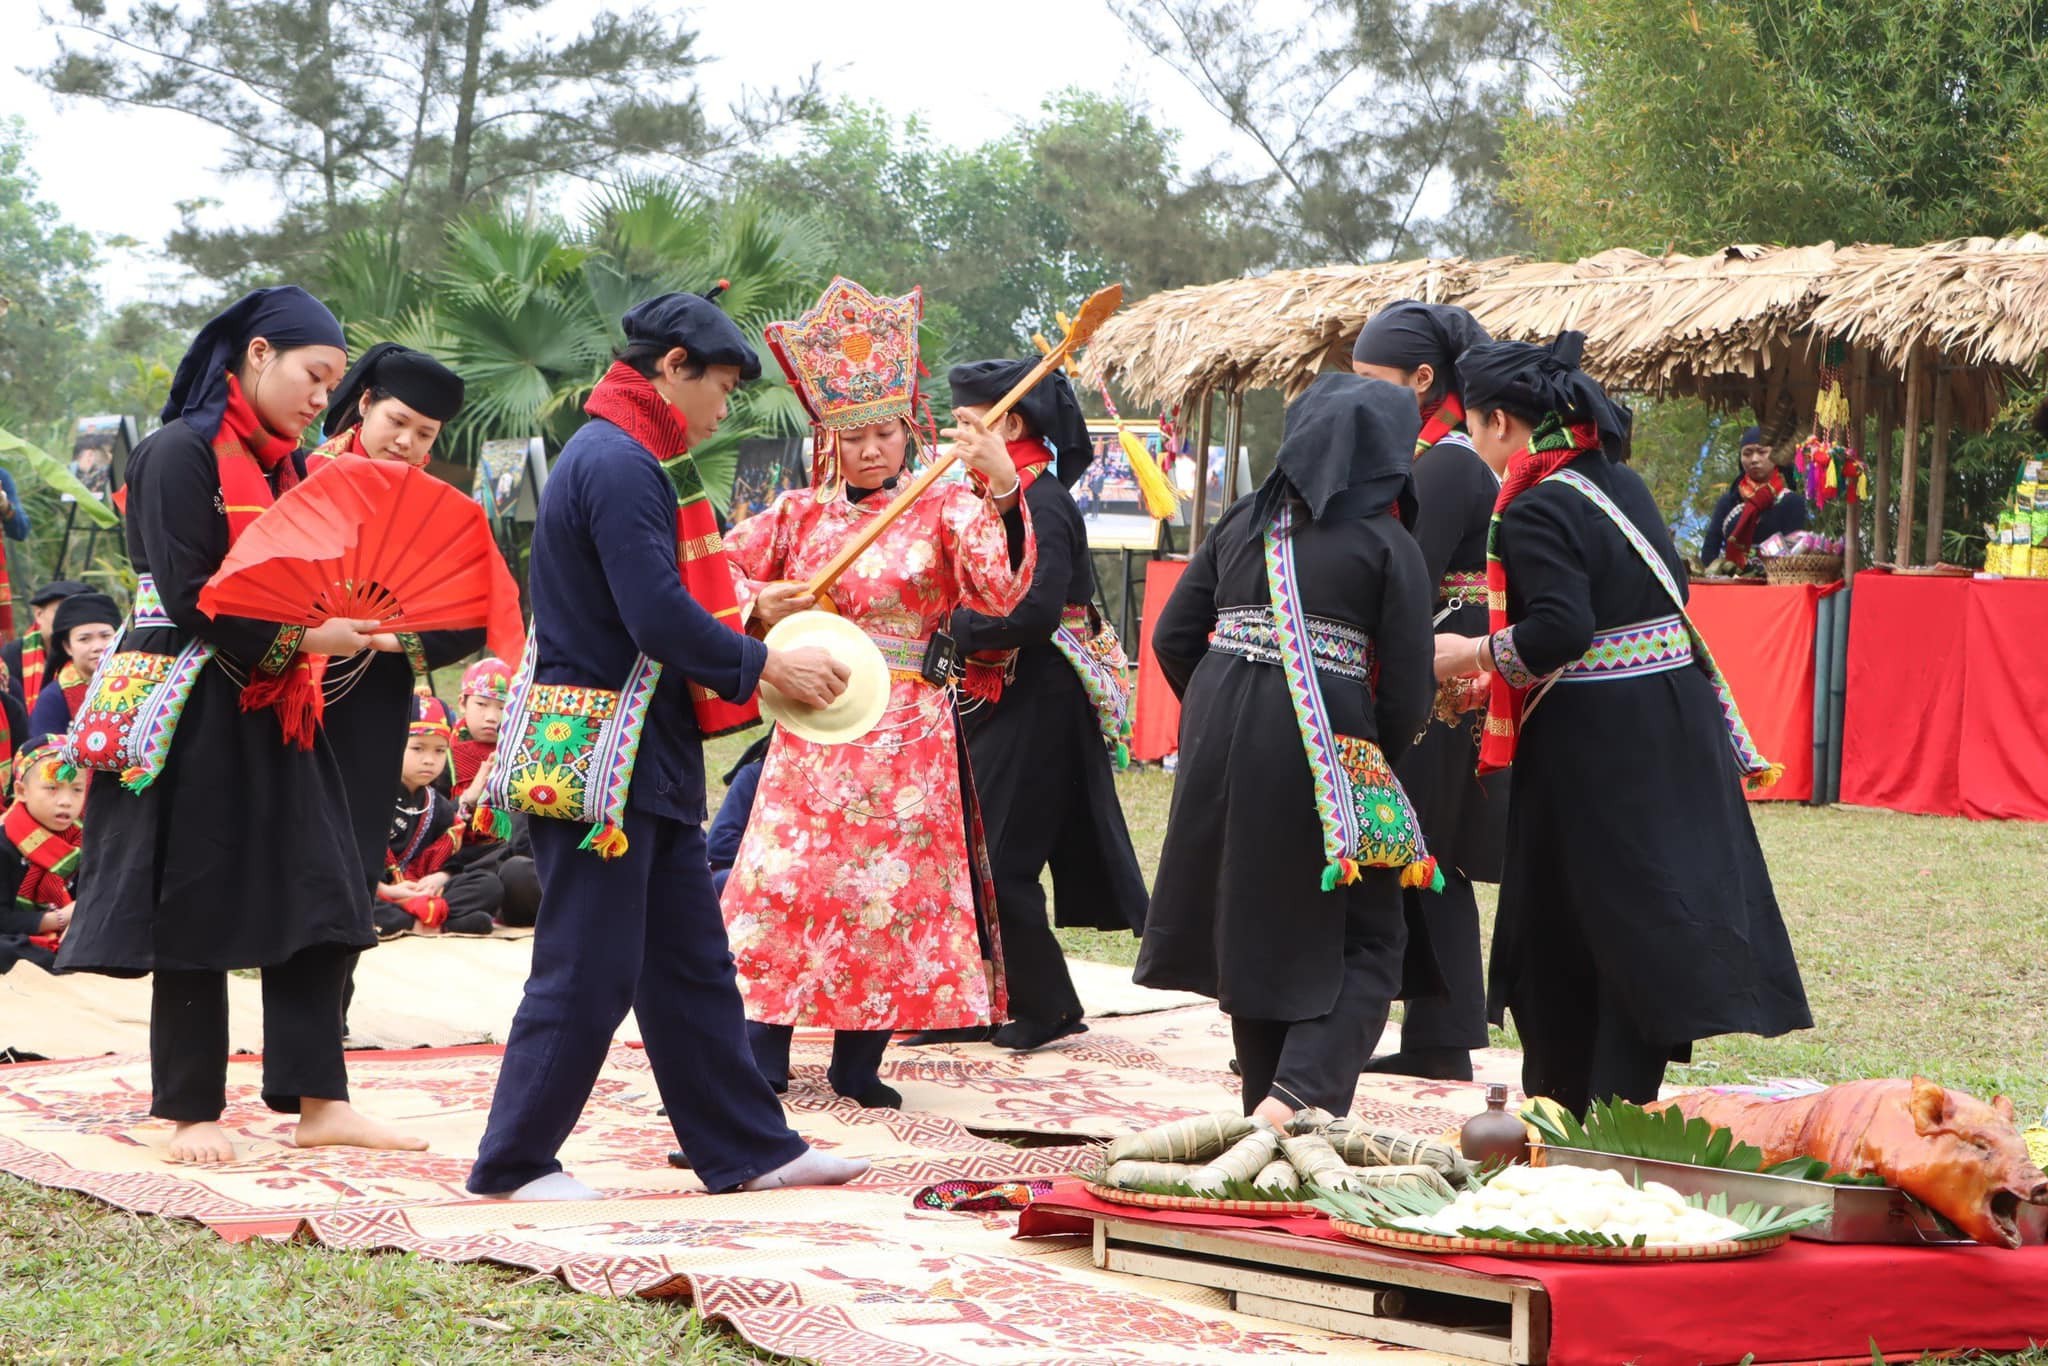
[(371, 540)]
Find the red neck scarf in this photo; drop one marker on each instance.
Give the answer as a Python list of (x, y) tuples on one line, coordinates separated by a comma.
[(469, 757), (73, 681), (1030, 459), (1551, 448), (49, 857), (1757, 496), (31, 667), (249, 455), (1440, 421), (626, 399)]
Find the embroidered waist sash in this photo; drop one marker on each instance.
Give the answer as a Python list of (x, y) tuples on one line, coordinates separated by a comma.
[(904, 655), (1337, 647), (132, 705), (1458, 590), (1647, 647)]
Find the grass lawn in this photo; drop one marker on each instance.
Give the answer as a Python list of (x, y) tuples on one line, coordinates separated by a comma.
[(1919, 940)]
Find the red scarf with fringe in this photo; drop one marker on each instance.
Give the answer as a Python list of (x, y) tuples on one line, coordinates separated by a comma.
[(32, 663), (1439, 422), (1551, 448), (248, 454), (50, 856), (626, 399), (1757, 497)]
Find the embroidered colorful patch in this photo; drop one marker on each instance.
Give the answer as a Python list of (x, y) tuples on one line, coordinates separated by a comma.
[(131, 711), (1091, 646), (569, 751)]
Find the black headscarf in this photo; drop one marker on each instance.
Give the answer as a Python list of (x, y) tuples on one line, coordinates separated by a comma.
[(1051, 408), (1409, 334), (1351, 436), (696, 324), (1535, 381), (286, 316), (412, 377), (80, 609)]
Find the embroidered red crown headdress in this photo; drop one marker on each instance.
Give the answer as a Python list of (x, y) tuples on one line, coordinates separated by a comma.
[(852, 359)]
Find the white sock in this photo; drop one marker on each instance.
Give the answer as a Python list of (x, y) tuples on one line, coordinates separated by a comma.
[(553, 1186), (812, 1169)]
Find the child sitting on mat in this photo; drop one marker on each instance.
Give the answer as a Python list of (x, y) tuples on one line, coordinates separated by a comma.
[(418, 894), (39, 840), (499, 865)]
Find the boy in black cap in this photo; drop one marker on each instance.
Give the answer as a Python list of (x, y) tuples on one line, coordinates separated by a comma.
[(632, 922), (81, 631), (1033, 713), (25, 658)]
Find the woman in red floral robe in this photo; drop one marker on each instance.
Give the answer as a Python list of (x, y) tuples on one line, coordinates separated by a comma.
[(854, 903)]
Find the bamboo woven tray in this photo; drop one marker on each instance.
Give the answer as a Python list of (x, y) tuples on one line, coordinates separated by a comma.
[(1803, 568), (1402, 1240), (1298, 1209)]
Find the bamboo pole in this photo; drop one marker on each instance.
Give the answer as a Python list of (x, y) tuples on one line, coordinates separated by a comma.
[(1881, 472), (1909, 460), (1937, 462), (1233, 434), (1859, 415), (1198, 528)]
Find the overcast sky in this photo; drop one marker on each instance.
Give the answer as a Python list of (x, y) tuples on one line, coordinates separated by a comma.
[(124, 171)]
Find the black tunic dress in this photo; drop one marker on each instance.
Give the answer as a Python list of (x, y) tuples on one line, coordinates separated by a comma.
[(367, 727), (1464, 817), (1041, 769), (1238, 910), (1632, 867), (240, 854)]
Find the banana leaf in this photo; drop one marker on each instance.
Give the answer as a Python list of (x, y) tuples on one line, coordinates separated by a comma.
[(25, 457), (1668, 1136)]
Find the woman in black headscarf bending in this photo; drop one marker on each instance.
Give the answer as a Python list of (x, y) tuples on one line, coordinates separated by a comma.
[(1302, 949), (1464, 817), (220, 833), (1636, 914)]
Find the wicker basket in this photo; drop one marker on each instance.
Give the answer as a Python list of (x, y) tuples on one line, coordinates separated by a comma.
[(1803, 568)]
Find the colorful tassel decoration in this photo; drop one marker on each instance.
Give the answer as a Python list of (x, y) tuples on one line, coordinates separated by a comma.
[(1423, 873), (66, 772), (136, 779), (1123, 756), (607, 841), (1342, 873), (1764, 779), (489, 823)]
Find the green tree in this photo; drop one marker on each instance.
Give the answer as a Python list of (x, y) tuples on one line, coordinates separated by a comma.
[(1695, 123), (373, 112), (528, 313), (1379, 120), (48, 303)]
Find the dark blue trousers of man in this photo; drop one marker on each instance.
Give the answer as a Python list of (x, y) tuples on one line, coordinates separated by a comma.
[(640, 931)]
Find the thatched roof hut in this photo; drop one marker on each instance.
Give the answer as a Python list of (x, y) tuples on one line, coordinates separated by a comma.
[(1276, 331), (1979, 301)]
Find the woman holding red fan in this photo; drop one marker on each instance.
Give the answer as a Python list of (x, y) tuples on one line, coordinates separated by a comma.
[(193, 709), (391, 405)]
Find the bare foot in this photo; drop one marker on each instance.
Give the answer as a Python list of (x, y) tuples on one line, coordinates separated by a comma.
[(201, 1144), (337, 1124), (1275, 1112)]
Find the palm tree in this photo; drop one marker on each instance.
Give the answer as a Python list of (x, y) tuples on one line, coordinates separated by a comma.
[(527, 312)]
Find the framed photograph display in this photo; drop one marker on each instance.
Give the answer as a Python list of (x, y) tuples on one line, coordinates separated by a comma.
[(510, 473)]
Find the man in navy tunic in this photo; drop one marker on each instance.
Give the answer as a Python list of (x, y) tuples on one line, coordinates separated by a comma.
[(642, 930)]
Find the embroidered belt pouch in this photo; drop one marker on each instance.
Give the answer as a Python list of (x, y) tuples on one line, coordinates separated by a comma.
[(134, 700)]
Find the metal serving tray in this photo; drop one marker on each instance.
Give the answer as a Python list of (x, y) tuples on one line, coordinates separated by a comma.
[(1856, 1214)]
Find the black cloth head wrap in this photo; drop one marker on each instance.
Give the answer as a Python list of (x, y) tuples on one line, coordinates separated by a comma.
[(285, 316), (1752, 436), (1408, 334), (412, 377), (56, 591), (82, 609), (1348, 449), (696, 324), (1051, 408), (1535, 381)]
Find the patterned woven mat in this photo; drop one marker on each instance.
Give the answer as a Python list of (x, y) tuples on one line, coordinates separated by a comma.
[(849, 1275)]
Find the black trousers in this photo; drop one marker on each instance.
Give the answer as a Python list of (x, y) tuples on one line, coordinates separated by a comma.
[(639, 932), (188, 1036), (1593, 1053), (856, 1056), (1457, 1018), (1314, 1064), (519, 885), (1034, 965)]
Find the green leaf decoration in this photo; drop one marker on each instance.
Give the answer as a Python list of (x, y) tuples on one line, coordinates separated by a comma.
[(1387, 1207), (46, 469), (1667, 1136)]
